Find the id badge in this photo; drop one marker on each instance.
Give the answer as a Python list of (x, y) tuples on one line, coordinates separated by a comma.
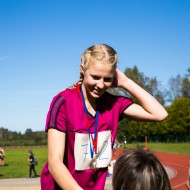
[(83, 160)]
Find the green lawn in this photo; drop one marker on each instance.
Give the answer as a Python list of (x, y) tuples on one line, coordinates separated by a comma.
[(16, 160)]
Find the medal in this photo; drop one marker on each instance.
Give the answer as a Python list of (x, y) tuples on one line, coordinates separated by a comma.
[(93, 145)]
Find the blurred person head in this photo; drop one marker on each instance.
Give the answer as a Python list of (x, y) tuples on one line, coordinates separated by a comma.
[(30, 152), (138, 169)]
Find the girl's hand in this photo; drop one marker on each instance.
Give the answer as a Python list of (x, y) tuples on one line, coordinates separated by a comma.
[(119, 79)]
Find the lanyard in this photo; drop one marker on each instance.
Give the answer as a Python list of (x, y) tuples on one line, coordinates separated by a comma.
[(95, 138)]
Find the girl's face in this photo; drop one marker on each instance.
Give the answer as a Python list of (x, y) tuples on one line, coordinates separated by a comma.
[(97, 79)]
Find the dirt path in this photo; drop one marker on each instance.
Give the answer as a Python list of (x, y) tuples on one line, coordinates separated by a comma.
[(33, 184)]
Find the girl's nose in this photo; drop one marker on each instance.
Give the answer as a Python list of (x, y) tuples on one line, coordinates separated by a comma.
[(100, 84)]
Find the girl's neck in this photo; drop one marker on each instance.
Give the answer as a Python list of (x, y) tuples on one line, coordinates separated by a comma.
[(90, 102)]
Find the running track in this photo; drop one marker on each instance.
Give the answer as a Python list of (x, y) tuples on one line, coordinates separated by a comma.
[(178, 163)]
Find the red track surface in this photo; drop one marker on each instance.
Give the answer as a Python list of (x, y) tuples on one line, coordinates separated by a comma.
[(178, 163)]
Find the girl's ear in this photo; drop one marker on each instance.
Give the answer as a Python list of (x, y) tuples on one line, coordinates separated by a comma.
[(82, 69)]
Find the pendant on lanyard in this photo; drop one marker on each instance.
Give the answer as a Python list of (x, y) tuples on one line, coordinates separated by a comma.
[(95, 138)]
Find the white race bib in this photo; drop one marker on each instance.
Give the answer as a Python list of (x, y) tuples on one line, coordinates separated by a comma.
[(82, 154)]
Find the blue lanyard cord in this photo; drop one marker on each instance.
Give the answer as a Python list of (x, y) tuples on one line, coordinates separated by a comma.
[(86, 112), (85, 109), (91, 147), (95, 126)]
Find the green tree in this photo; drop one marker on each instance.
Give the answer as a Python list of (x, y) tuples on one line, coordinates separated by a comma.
[(175, 88), (179, 116), (28, 134), (151, 85), (186, 85)]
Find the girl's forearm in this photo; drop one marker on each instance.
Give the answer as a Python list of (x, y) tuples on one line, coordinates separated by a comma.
[(63, 177), (146, 100)]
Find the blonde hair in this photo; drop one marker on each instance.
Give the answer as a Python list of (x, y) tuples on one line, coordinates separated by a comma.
[(97, 53)]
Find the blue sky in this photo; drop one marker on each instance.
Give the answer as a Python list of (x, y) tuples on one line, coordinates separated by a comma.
[(41, 42)]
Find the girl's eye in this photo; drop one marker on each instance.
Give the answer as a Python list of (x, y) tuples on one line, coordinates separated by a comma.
[(108, 79), (95, 77)]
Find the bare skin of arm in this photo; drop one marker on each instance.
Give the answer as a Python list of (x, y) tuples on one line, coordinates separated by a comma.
[(149, 109), (56, 149)]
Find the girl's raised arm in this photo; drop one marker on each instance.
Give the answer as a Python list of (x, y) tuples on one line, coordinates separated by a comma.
[(148, 109)]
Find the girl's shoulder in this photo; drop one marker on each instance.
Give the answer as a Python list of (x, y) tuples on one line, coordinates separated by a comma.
[(110, 98), (108, 95), (66, 94)]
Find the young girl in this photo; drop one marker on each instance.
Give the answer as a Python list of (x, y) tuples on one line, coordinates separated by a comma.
[(31, 160), (82, 122)]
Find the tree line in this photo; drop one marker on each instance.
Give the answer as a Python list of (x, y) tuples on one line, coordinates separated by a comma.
[(29, 138), (175, 98)]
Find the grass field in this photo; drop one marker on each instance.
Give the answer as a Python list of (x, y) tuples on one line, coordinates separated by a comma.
[(17, 166), (16, 161)]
